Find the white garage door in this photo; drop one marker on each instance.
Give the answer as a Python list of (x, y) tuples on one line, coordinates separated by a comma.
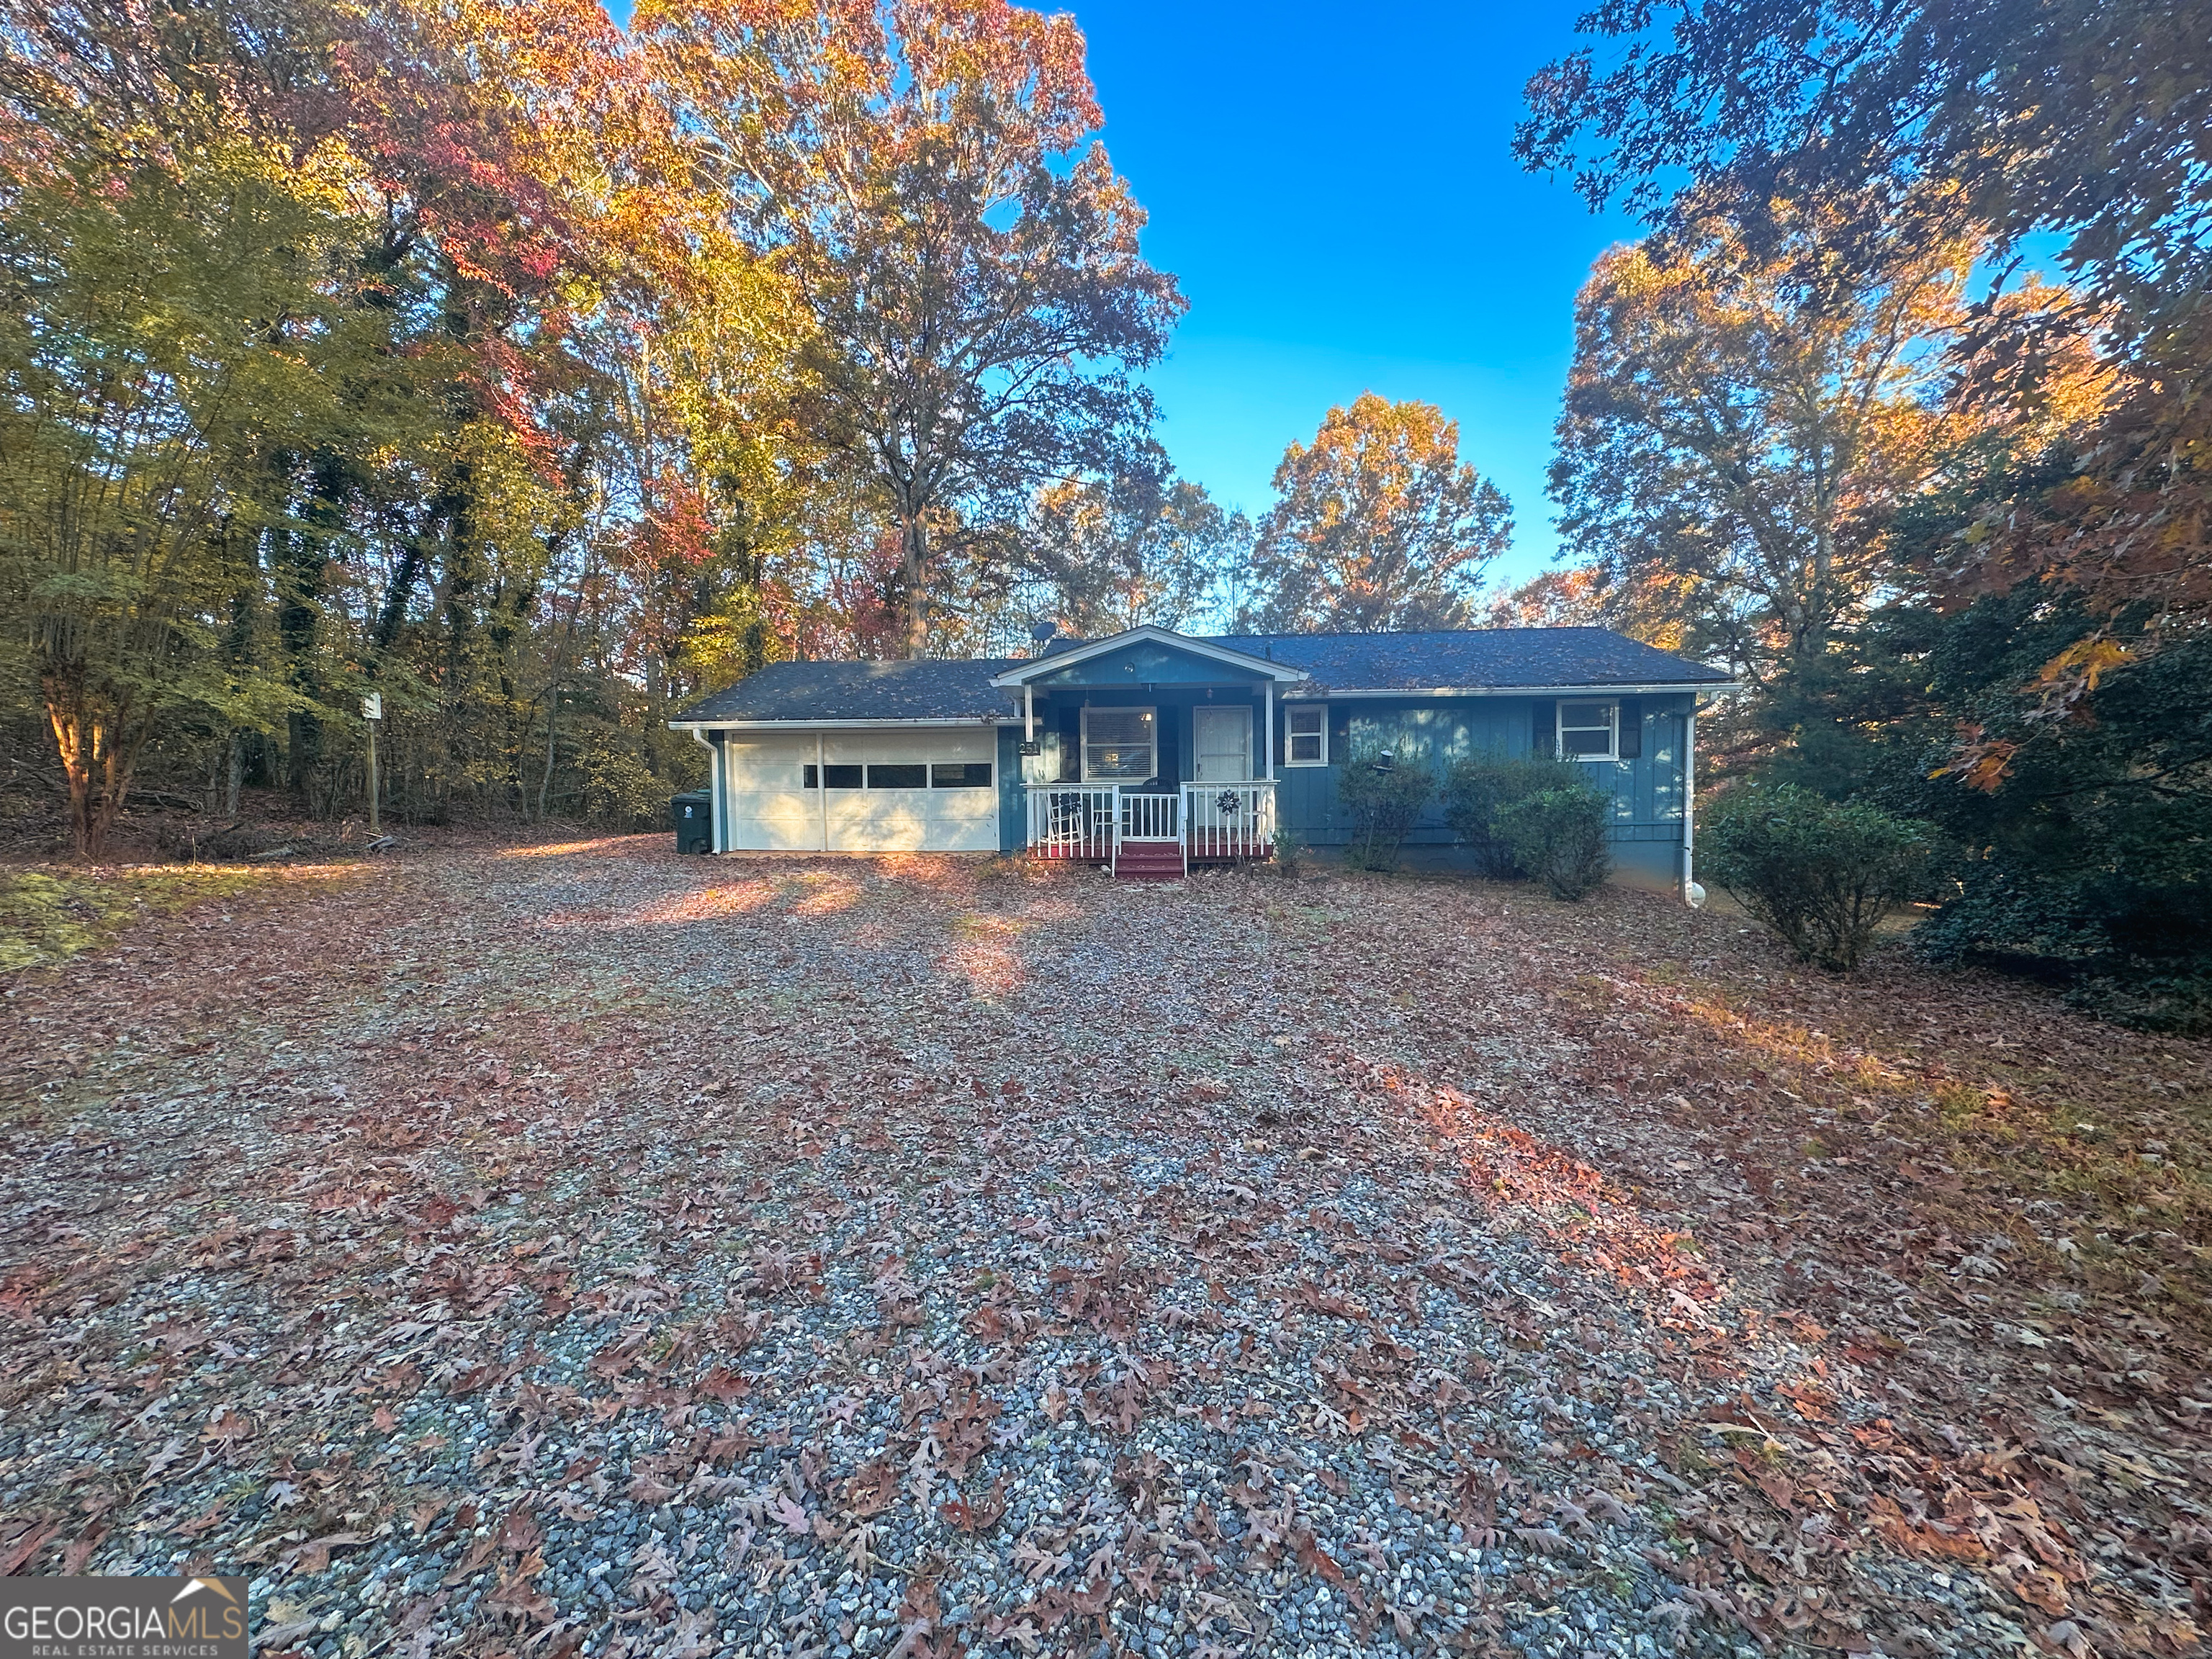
[(888, 792)]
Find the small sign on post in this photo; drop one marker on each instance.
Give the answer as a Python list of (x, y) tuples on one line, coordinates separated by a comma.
[(372, 710)]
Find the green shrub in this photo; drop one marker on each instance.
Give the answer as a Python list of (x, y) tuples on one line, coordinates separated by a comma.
[(1477, 788), (1384, 798), (619, 788), (1820, 874), (1558, 835), (2132, 944)]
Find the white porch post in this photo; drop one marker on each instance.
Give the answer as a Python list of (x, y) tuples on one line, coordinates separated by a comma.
[(1270, 745), (1029, 713)]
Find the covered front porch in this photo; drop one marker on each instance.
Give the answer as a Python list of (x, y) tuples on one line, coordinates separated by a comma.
[(1120, 827), (1149, 753)]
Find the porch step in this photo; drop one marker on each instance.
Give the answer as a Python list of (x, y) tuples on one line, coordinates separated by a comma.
[(1149, 861)]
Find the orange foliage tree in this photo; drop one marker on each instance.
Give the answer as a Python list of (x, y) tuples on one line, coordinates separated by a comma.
[(978, 299), (1378, 525)]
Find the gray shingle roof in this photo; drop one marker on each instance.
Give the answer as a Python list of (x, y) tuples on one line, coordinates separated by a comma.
[(1473, 658), (861, 692), (1476, 657)]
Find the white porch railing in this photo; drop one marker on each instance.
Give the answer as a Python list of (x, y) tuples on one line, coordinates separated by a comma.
[(1150, 818), (1229, 820), (1074, 820), (1089, 821)]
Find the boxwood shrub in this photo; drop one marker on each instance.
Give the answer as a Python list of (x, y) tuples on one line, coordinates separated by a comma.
[(1477, 788), (1821, 873)]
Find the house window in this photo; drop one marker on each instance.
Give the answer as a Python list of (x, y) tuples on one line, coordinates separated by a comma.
[(1590, 731), (1305, 731), (1118, 745), (901, 776), (960, 775)]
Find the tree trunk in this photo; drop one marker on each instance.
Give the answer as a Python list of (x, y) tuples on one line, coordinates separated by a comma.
[(97, 770), (398, 591), (545, 778), (236, 779), (914, 567)]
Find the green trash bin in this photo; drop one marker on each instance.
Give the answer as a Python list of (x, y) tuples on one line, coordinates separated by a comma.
[(692, 813)]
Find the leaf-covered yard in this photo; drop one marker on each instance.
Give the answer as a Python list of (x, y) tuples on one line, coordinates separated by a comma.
[(573, 1248)]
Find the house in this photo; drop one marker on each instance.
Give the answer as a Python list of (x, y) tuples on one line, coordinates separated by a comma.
[(1152, 751)]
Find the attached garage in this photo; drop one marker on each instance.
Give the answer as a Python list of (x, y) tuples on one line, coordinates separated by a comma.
[(862, 791), (858, 757)]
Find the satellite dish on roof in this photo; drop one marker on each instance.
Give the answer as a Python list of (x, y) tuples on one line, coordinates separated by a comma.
[(1042, 631)]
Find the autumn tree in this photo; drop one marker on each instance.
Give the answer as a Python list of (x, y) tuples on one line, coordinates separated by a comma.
[(146, 358), (980, 302), (1742, 422), (296, 293), (1377, 524), (1646, 604), (167, 224), (1125, 552), (2078, 117), (2086, 117)]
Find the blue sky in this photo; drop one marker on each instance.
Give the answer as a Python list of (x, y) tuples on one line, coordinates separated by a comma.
[(1332, 186)]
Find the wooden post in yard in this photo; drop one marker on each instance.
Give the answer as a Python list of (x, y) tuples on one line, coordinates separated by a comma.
[(372, 711)]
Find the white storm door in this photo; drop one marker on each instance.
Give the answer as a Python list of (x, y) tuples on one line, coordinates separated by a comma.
[(1224, 744)]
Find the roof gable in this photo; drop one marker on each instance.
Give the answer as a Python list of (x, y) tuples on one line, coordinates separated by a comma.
[(1143, 663), (1145, 656)]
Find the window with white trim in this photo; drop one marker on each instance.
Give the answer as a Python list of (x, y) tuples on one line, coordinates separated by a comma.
[(1118, 744), (1305, 735), (1590, 731)]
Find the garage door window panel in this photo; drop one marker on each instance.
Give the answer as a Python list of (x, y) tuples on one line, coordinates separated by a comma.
[(960, 775), (902, 774)]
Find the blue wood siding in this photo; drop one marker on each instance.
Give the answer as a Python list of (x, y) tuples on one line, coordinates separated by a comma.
[(1433, 733)]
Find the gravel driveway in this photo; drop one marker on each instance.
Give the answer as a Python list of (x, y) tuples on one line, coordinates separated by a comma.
[(576, 1248)]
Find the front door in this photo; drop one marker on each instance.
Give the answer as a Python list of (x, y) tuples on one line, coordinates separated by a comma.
[(1224, 744)]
